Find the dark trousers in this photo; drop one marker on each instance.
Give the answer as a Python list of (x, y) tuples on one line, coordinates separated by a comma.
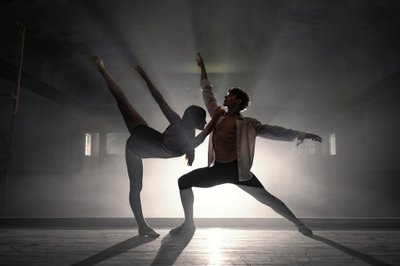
[(219, 173)]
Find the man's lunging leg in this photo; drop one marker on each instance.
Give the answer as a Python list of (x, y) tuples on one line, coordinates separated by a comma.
[(187, 199), (202, 177), (263, 196), (185, 183)]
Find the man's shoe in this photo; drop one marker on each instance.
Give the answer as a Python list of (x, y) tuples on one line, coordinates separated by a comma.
[(305, 230), (182, 229)]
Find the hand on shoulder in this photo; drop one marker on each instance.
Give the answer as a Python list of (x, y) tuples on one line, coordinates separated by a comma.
[(218, 112)]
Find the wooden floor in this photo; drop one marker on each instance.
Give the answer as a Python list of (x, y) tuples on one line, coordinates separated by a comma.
[(207, 246)]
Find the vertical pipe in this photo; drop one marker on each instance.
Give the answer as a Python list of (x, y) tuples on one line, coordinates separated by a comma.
[(15, 99), (7, 192), (22, 31)]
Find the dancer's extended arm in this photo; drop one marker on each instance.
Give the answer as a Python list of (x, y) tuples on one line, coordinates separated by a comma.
[(281, 133), (208, 96), (170, 114)]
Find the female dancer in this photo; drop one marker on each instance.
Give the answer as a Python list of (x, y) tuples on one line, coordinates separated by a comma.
[(145, 142)]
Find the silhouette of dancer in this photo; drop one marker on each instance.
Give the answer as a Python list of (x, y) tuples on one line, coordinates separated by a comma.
[(231, 149), (145, 142)]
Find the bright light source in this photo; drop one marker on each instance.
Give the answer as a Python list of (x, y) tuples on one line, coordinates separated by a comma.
[(332, 144), (92, 144)]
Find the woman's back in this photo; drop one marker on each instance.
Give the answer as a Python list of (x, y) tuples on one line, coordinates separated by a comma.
[(176, 136)]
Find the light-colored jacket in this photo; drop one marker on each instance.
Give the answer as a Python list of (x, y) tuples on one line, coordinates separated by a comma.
[(247, 129)]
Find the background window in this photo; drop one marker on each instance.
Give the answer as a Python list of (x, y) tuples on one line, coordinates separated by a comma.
[(88, 144), (332, 144), (91, 144)]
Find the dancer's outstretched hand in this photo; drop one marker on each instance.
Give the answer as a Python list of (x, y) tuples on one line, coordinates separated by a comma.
[(313, 137), (200, 61), (190, 158)]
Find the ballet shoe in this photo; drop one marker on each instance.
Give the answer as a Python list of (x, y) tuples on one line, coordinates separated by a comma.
[(98, 61), (148, 232)]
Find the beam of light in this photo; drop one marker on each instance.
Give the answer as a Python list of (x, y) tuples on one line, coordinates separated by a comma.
[(215, 68), (215, 238)]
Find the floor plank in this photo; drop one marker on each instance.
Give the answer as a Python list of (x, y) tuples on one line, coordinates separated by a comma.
[(207, 246)]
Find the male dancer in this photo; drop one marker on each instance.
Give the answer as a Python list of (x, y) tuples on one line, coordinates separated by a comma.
[(231, 149)]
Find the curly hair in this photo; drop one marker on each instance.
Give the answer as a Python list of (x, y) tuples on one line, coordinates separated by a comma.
[(242, 95)]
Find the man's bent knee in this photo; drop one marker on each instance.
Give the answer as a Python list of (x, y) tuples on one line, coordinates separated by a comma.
[(183, 183)]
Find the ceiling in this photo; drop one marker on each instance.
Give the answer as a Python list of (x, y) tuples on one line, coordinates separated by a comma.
[(292, 56)]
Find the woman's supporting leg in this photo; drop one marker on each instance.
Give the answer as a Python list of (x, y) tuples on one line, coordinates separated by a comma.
[(263, 196), (131, 117), (135, 172)]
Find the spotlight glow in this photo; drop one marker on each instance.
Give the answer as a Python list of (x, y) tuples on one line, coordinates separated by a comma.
[(215, 237)]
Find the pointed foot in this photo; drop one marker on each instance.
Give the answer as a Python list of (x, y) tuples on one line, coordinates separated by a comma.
[(98, 62)]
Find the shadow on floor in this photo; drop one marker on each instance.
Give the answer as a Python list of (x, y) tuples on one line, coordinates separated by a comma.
[(171, 247), (364, 257), (115, 250)]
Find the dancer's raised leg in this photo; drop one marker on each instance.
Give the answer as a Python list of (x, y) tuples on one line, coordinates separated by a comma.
[(131, 117), (263, 196), (135, 172)]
